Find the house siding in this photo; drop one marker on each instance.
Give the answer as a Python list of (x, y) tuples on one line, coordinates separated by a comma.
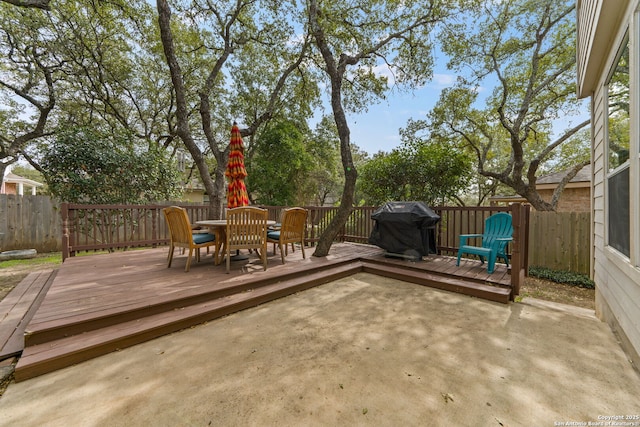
[(587, 13), (594, 24), (571, 200), (617, 278)]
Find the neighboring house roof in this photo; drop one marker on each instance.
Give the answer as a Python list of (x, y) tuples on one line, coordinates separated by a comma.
[(12, 178), (550, 182), (583, 176), (17, 179)]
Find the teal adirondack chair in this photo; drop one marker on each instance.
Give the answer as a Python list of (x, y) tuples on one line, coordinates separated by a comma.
[(498, 231)]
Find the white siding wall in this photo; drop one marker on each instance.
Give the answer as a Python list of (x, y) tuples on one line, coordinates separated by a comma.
[(595, 20), (587, 11), (617, 278)]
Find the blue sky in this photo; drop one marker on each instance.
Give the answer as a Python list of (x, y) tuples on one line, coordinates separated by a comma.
[(378, 128)]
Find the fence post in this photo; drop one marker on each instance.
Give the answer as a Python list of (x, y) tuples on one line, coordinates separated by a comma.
[(154, 224), (64, 211), (519, 242), (527, 221)]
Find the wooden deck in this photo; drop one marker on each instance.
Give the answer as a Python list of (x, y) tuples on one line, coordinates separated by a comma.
[(102, 303)]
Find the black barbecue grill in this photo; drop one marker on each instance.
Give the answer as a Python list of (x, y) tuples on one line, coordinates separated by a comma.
[(405, 229)]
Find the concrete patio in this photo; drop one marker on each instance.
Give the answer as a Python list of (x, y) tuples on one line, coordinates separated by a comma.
[(363, 350)]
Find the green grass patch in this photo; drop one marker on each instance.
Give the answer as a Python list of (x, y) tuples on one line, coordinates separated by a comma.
[(53, 259), (561, 276), (40, 259)]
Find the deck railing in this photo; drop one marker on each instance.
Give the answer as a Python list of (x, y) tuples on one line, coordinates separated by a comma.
[(111, 227)]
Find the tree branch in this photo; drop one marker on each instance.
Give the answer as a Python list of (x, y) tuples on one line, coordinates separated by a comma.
[(36, 4)]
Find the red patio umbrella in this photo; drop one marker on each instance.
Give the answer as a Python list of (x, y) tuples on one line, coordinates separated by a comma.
[(237, 190)]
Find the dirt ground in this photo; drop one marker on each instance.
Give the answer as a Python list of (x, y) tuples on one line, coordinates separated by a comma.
[(12, 272), (558, 292)]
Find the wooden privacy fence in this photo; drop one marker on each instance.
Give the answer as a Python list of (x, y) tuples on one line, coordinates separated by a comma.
[(29, 222), (561, 240)]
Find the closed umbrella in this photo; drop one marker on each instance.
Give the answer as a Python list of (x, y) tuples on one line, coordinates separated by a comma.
[(237, 190)]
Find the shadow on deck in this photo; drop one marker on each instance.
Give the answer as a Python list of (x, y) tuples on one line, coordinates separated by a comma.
[(102, 303)]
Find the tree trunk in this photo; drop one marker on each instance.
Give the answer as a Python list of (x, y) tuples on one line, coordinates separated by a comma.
[(3, 168), (336, 72), (38, 4), (344, 210), (212, 187), (218, 197)]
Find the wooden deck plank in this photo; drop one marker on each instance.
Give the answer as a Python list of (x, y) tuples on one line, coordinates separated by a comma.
[(16, 304), (469, 269), (230, 302), (447, 283), (18, 308)]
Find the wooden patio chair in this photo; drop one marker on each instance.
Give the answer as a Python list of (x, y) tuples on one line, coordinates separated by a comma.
[(293, 226), (498, 231), (182, 235), (246, 229)]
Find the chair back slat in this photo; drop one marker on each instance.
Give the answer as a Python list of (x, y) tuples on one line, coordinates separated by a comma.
[(179, 224), (246, 228), (294, 221), (182, 235), (497, 226)]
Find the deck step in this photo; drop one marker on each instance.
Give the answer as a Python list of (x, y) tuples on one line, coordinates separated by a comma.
[(18, 308), (47, 331), (439, 281), (49, 356)]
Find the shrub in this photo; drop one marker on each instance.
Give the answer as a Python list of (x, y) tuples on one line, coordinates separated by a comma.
[(561, 276)]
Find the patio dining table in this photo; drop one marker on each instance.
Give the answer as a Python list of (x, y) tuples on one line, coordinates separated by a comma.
[(217, 224), (218, 228)]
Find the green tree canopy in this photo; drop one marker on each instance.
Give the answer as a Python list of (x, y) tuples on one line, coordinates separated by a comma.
[(525, 51), (27, 79), (279, 165), (431, 173), (83, 64), (251, 67), (352, 38), (86, 166), (325, 180)]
